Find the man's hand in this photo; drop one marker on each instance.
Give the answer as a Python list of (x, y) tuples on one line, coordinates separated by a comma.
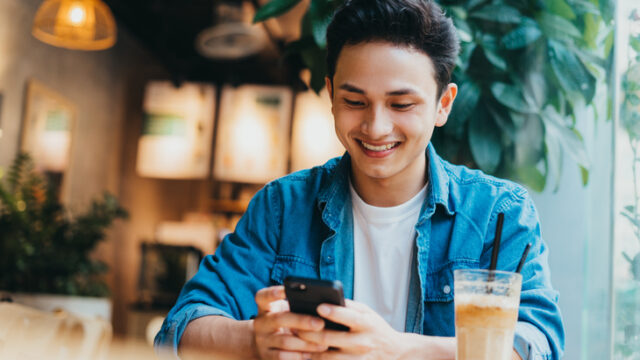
[(371, 337), (275, 328)]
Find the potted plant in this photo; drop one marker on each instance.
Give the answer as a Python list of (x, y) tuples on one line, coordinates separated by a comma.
[(45, 250)]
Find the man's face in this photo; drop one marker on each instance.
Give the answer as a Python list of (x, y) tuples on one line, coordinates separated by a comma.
[(385, 104)]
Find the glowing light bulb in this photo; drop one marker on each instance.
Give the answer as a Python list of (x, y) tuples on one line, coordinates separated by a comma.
[(77, 14)]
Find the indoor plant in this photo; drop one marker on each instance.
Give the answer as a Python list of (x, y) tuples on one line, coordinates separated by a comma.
[(43, 249), (528, 71)]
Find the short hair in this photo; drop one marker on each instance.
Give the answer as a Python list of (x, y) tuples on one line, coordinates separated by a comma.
[(417, 24)]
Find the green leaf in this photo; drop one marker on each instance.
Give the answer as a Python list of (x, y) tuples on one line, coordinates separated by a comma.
[(591, 28), (503, 120), (555, 26), (274, 8), (473, 3), (608, 43), (554, 157), (569, 138), (466, 101), (607, 9), (584, 174), (630, 120), (535, 89), (517, 118), (498, 13), (561, 8), (590, 58), (458, 12), (464, 30), (571, 73), (320, 13), (466, 50), (484, 141), (521, 37), (532, 177), (511, 97), (633, 219), (635, 43), (584, 7), (494, 58), (314, 59), (529, 142)]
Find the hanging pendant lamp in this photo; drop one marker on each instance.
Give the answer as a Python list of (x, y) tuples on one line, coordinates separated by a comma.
[(75, 24)]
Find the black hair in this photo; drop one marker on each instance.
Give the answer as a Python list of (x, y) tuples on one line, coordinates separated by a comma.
[(417, 24)]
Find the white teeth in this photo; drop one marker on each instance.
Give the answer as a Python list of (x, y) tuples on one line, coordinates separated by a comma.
[(379, 147)]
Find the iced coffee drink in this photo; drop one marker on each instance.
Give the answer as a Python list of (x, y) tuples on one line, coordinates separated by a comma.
[(486, 312)]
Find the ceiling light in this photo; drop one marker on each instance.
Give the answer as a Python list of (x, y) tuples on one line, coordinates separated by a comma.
[(75, 24), (233, 36)]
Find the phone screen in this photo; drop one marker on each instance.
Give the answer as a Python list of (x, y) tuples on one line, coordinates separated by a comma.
[(305, 295)]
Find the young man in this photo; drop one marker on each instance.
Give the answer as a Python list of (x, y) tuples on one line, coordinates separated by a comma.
[(390, 219)]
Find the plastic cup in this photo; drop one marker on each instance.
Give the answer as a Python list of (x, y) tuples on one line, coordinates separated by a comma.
[(486, 312)]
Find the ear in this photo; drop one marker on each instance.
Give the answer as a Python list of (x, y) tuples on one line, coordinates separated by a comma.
[(327, 81), (445, 104)]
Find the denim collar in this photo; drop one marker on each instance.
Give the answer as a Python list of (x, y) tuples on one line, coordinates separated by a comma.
[(438, 188), (334, 195)]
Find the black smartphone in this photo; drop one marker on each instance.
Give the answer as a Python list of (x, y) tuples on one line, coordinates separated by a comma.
[(304, 296)]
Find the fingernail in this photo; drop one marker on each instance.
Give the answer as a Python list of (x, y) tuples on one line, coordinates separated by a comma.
[(324, 310), (307, 356), (275, 292), (316, 323)]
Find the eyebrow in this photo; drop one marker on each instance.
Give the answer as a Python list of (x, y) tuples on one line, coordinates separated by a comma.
[(351, 88)]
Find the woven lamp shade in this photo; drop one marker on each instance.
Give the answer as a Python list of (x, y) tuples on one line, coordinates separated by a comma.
[(75, 24)]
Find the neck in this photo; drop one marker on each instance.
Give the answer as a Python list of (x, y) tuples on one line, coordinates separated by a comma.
[(394, 190)]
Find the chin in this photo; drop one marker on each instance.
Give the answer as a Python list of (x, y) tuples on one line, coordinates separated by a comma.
[(377, 172)]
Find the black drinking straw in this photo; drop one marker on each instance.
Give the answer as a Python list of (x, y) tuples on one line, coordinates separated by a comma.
[(496, 242), (496, 249), (523, 258)]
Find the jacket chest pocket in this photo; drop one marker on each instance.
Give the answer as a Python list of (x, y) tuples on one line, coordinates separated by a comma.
[(289, 265), (439, 308)]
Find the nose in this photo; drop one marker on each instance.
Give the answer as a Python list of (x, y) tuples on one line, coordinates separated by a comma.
[(377, 123)]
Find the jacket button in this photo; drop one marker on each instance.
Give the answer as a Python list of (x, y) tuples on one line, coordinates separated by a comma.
[(446, 289)]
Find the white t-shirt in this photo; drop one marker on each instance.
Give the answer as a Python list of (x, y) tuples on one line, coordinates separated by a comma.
[(383, 240)]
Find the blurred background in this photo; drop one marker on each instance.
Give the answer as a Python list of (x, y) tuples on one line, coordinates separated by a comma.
[(134, 133)]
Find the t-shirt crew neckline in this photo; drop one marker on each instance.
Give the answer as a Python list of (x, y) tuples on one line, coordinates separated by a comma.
[(385, 215)]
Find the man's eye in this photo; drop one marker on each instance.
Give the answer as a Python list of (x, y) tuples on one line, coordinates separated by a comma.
[(402, 106), (353, 103)]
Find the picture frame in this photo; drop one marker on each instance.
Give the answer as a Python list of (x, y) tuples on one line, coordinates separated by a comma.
[(177, 135), (253, 134), (47, 132)]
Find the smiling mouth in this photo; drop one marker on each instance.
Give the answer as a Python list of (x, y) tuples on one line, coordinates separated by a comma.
[(379, 147)]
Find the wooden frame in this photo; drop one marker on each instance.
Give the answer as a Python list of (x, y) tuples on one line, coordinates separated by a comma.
[(253, 134), (47, 132), (177, 135)]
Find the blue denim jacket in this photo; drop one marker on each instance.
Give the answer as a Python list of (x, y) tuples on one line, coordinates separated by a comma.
[(301, 225)]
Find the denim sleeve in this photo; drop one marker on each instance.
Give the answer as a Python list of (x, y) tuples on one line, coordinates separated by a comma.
[(228, 280), (540, 331)]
